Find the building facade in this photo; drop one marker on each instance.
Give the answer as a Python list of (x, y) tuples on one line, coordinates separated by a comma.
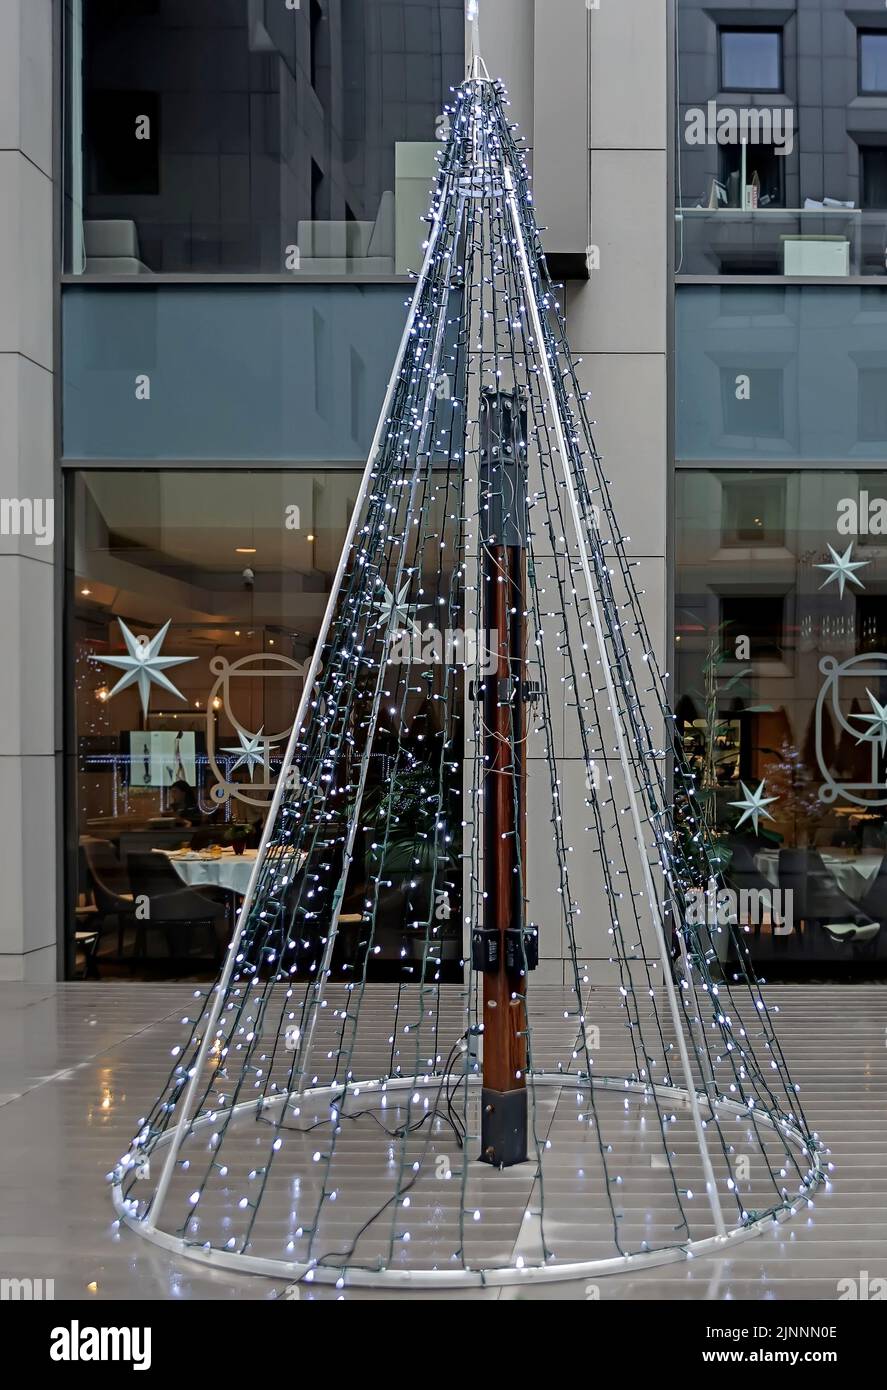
[(210, 213), (780, 440)]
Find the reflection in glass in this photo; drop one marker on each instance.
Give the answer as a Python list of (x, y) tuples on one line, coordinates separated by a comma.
[(781, 690), (796, 187), (873, 61), (168, 804), (256, 136), (751, 60)]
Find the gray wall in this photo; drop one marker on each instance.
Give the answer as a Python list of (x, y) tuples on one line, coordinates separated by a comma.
[(27, 680)]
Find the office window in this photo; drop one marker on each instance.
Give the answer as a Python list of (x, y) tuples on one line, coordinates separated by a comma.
[(751, 60), (151, 551), (764, 172), (123, 143), (752, 402), (776, 676), (873, 61), (873, 404), (247, 136), (752, 510), (873, 167), (760, 618)]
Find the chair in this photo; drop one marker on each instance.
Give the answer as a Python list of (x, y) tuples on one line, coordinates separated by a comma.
[(744, 875), (87, 936), (170, 903), (112, 248), (874, 901), (110, 885), (349, 248)]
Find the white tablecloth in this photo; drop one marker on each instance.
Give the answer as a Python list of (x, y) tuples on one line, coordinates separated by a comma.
[(853, 873), (227, 870)]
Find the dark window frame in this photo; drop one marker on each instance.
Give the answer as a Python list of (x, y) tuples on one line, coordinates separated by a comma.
[(777, 32)]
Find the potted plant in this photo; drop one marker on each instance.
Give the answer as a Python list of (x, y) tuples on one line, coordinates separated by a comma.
[(236, 836)]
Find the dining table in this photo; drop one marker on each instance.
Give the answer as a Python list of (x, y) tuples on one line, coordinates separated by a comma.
[(853, 871), (201, 868)]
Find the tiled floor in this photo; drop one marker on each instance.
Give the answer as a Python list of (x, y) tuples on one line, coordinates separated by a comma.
[(80, 1063)]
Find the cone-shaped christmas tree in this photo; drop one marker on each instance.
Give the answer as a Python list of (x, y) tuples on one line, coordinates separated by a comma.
[(484, 643)]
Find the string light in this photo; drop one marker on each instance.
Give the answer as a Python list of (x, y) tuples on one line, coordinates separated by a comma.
[(291, 1035)]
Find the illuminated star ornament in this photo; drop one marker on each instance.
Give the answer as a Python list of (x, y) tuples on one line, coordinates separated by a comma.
[(399, 607), (251, 753), (753, 804), (842, 568), (144, 666), (878, 721)]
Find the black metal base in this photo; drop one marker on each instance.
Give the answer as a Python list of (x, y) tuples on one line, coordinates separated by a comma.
[(503, 1127), (568, 265)]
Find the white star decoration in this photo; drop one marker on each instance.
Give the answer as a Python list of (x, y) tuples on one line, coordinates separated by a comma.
[(399, 607), (842, 568), (753, 804), (878, 721), (251, 753), (144, 666)]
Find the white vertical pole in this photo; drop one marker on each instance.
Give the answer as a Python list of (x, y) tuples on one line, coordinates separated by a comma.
[(187, 1104), (472, 35), (652, 899)]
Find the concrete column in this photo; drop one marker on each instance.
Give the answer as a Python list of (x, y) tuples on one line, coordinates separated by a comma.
[(27, 678), (589, 87), (560, 136), (618, 320)]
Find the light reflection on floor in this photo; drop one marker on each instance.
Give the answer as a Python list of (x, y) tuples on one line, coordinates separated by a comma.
[(79, 1063)]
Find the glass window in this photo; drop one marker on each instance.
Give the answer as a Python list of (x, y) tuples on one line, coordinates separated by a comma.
[(236, 372), (753, 404), (228, 573), (873, 403), (783, 373), (874, 176), (873, 61), (781, 628), (764, 176), (773, 185), (753, 510), (751, 60), (255, 136)]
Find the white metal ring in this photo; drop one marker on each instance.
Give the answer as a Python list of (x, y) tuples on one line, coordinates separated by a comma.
[(472, 1278)]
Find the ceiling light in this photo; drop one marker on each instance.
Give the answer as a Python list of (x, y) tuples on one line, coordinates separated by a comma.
[(245, 550)]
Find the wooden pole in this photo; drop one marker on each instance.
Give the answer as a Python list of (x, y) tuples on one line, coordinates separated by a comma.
[(503, 509)]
